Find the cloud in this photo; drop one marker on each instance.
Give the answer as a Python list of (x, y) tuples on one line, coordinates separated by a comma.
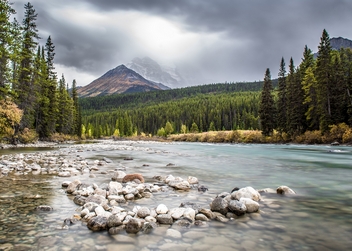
[(217, 41)]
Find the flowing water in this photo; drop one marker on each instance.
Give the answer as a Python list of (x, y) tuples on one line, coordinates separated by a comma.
[(319, 217)]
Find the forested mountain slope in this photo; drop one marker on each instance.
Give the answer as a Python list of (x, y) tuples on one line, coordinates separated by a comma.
[(109, 103)]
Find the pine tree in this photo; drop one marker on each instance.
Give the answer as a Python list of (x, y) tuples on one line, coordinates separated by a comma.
[(5, 45), (282, 99), (25, 88), (309, 85), (295, 106), (322, 74), (65, 109), (267, 106), (77, 111)]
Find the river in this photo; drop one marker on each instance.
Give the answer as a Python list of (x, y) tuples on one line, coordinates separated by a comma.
[(319, 217)]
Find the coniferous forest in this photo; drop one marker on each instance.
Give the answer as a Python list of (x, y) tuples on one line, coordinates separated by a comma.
[(311, 99), (34, 103)]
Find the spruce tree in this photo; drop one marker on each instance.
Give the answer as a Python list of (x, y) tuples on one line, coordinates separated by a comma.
[(322, 73), (309, 85), (295, 106), (5, 45), (267, 106), (282, 99), (25, 88)]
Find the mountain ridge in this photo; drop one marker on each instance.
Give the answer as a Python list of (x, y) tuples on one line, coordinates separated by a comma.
[(119, 80)]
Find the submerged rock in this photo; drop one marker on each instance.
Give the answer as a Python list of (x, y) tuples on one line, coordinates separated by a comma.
[(97, 223), (134, 226), (285, 190), (44, 208)]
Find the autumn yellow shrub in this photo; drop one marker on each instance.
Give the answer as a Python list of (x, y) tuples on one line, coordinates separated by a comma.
[(347, 136), (310, 137), (28, 136)]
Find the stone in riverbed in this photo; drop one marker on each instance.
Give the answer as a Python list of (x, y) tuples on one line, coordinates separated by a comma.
[(97, 223), (118, 176), (148, 227), (64, 174), (219, 205), (133, 226), (251, 205), (284, 190), (79, 200), (180, 185), (201, 217), (192, 180), (207, 212), (72, 186), (132, 177), (162, 209), (246, 192), (172, 233), (164, 219), (114, 187), (114, 221), (96, 199), (177, 213), (237, 207), (116, 230), (143, 212), (44, 208)]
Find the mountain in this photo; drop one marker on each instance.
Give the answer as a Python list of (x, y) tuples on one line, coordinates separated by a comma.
[(119, 80), (340, 42), (151, 70), (337, 43)]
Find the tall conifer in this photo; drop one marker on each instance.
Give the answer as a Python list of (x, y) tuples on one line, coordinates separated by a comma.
[(322, 74), (282, 99), (267, 108)]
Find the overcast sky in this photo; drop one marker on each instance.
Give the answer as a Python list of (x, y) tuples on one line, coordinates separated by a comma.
[(218, 40)]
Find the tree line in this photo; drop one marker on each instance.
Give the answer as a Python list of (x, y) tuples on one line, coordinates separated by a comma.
[(29, 85), (199, 113), (311, 97)]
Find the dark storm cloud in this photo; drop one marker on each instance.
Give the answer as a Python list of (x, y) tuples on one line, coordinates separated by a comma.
[(253, 35)]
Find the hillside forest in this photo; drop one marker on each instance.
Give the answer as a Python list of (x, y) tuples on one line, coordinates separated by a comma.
[(33, 101), (311, 99)]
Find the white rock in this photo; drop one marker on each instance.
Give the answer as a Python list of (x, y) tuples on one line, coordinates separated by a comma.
[(252, 206), (172, 233), (246, 192), (176, 213), (169, 178), (162, 209), (180, 185), (189, 213), (114, 187), (192, 180)]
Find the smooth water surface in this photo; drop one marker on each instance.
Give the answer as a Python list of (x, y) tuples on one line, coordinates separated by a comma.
[(318, 218)]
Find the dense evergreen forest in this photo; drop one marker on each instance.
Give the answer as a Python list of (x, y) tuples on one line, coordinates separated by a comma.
[(312, 97), (33, 102)]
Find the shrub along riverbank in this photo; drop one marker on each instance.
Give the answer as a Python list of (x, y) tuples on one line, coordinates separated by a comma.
[(341, 134)]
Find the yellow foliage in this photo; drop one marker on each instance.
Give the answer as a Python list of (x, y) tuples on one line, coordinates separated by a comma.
[(10, 116), (28, 136)]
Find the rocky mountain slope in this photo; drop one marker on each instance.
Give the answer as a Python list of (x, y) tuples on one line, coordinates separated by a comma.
[(340, 42), (151, 70), (119, 80)]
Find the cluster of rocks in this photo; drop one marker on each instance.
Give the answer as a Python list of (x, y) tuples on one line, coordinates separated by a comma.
[(55, 163), (100, 207)]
